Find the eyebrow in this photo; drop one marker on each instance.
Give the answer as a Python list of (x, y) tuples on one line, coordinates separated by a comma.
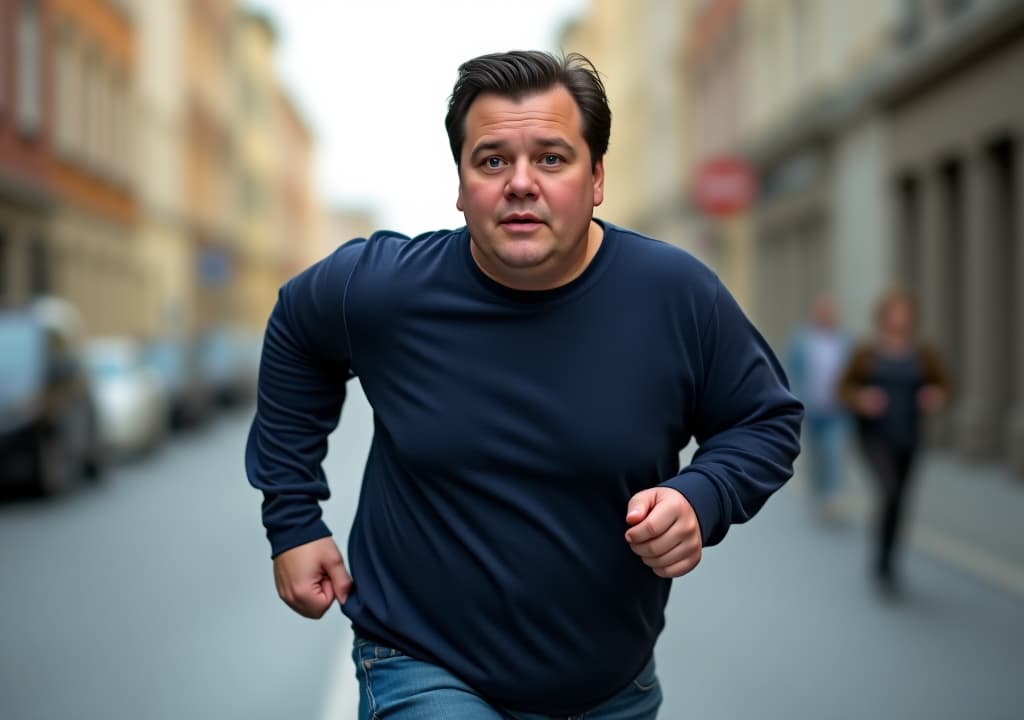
[(546, 143)]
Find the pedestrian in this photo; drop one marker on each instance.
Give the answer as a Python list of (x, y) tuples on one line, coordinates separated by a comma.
[(815, 357), (891, 382), (533, 377)]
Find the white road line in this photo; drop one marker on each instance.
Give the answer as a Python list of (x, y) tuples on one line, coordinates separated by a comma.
[(342, 697), (969, 558)]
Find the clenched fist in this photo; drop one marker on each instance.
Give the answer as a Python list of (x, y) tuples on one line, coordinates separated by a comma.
[(665, 532), (311, 576)]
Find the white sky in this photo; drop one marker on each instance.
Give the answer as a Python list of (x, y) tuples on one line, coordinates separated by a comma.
[(372, 78)]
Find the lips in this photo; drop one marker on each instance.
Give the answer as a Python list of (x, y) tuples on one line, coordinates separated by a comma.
[(521, 221)]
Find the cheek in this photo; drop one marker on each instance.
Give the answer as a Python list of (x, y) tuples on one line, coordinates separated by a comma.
[(479, 197)]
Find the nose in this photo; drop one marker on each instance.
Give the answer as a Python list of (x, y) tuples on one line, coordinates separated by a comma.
[(521, 183)]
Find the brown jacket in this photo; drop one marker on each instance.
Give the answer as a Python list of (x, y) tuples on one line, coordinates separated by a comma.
[(859, 370)]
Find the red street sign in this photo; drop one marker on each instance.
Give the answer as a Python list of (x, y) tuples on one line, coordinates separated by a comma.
[(724, 186)]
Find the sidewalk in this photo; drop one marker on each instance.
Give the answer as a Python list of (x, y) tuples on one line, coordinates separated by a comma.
[(970, 515)]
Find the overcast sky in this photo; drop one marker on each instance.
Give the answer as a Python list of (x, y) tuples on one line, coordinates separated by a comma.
[(373, 77)]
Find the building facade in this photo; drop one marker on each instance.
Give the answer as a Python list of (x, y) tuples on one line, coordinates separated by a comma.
[(210, 163), (94, 258), (169, 255), (26, 192), (953, 180), (638, 50)]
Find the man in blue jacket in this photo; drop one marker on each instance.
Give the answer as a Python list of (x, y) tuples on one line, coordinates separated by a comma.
[(533, 376)]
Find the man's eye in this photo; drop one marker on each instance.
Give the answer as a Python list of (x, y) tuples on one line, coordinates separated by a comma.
[(493, 162), (551, 159)]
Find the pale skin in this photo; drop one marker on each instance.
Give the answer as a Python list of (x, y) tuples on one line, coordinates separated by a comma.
[(528, 189)]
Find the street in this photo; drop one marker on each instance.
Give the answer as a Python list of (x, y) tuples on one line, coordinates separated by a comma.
[(151, 596)]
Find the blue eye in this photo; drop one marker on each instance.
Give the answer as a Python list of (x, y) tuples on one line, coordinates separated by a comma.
[(493, 162), (551, 159)]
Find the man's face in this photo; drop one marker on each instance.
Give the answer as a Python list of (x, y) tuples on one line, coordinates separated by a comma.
[(527, 189)]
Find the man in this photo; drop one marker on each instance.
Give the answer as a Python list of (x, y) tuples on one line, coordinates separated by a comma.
[(815, 359), (533, 377)]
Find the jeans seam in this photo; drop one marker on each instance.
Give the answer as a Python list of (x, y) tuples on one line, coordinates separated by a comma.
[(366, 664)]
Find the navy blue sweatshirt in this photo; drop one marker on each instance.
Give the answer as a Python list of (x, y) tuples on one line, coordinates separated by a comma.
[(510, 430)]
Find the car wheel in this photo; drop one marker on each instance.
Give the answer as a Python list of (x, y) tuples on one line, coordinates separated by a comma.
[(94, 462), (55, 467)]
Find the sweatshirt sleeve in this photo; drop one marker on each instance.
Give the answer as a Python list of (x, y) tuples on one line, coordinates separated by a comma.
[(747, 423), (304, 365)]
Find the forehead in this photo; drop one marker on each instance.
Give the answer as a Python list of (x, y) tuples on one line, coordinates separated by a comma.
[(548, 111)]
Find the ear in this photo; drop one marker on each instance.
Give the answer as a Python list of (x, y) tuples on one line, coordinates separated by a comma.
[(458, 199), (598, 182)]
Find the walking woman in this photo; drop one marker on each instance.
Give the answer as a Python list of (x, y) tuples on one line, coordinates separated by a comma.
[(890, 383)]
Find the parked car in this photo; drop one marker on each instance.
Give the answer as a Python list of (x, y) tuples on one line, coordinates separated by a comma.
[(49, 435), (176, 361), (229, 360), (130, 399)]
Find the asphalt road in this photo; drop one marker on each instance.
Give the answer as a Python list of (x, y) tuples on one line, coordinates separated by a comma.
[(151, 596)]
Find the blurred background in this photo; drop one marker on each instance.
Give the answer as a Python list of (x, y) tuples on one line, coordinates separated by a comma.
[(165, 165)]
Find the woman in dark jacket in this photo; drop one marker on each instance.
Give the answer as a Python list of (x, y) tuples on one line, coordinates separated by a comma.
[(890, 383)]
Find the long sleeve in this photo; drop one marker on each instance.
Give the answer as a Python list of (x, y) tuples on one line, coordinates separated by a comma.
[(855, 375), (304, 365), (747, 424)]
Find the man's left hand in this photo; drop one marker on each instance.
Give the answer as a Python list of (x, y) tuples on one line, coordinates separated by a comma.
[(664, 531)]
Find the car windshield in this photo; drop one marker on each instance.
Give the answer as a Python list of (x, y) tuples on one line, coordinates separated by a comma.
[(21, 362)]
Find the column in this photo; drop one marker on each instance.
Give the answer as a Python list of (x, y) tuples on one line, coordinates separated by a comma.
[(931, 266), (1015, 428), (976, 421)]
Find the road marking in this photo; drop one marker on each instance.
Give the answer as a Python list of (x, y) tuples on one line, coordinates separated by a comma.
[(342, 700), (967, 557), (970, 559)]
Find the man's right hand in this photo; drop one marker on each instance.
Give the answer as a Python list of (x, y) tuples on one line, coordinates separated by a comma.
[(309, 577)]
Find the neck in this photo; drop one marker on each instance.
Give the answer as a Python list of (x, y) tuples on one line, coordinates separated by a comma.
[(534, 279)]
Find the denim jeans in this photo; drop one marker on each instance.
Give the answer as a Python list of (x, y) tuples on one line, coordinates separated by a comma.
[(393, 685), (823, 440)]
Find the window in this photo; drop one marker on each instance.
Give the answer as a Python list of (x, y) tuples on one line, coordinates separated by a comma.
[(39, 269), (908, 244), (909, 24), (1004, 181), (952, 8), (67, 92), (90, 105), (29, 106)]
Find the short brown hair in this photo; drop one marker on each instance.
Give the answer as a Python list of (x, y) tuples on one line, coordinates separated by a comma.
[(518, 73)]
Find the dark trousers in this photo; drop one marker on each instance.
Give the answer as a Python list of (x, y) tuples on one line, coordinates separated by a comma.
[(891, 469)]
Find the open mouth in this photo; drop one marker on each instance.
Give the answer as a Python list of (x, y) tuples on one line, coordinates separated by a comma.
[(521, 223)]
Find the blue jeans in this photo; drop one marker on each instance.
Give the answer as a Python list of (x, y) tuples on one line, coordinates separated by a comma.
[(393, 685), (823, 441)]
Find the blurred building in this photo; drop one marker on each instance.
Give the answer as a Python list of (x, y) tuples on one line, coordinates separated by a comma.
[(259, 206), (298, 241), (211, 156), (885, 138), (277, 203), (92, 255), (26, 190), (341, 224), (639, 50), (162, 138), (817, 146), (953, 180), (719, 173)]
